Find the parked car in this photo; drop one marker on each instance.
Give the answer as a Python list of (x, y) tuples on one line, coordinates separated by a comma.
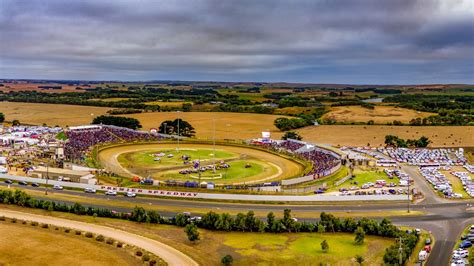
[(130, 195), (35, 184), (58, 187), (90, 190), (465, 244), (428, 241), (319, 191), (111, 193), (22, 183), (8, 181)]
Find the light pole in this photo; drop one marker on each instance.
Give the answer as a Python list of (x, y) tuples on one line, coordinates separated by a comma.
[(214, 143), (47, 177), (400, 253)]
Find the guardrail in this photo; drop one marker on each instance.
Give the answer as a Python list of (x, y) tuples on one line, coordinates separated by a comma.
[(215, 196)]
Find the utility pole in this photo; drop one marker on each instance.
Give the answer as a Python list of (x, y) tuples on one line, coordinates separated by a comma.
[(165, 132), (408, 195)]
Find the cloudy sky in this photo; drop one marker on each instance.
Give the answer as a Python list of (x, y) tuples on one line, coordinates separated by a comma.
[(320, 41)]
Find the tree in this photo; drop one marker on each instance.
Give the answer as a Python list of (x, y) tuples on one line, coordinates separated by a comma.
[(15, 123), (321, 228), (359, 259), (192, 232), (119, 121), (171, 128), (423, 142), (287, 219), (138, 214), (270, 220), (227, 260), (291, 135), (324, 246), (359, 236), (370, 122), (2, 117)]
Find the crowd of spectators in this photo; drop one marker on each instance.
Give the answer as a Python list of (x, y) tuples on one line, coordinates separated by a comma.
[(322, 162), (290, 145), (80, 140)]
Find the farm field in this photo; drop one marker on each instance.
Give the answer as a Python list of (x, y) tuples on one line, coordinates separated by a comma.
[(242, 125), (51, 114), (355, 135), (27, 245), (228, 125), (167, 104), (265, 166), (380, 114)]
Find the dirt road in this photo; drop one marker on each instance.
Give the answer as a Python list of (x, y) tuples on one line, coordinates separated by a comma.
[(167, 253)]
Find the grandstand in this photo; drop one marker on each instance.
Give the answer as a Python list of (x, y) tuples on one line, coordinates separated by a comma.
[(81, 138)]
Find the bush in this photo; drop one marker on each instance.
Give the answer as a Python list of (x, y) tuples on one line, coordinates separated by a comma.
[(34, 223), (152, 262), (2, 218), (89, 235), (23, 222), (100, 238), (56, 228), (146, 257), (14, 220), (67, 230), (119, 244), (139, 253), (78, 232), (109, 241), (44, 226), (227, 260)]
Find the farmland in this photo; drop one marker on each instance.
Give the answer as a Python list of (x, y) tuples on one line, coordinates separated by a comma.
[(51, 114), (380, 114), (23, 244)]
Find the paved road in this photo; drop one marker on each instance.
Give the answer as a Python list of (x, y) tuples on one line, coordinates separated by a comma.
[(167, 253)]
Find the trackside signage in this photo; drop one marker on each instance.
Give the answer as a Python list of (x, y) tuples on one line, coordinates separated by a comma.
[(151, 192)]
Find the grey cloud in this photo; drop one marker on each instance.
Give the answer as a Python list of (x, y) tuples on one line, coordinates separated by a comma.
[(317, 41)]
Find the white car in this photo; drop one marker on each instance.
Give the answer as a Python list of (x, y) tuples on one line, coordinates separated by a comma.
[(130, 195), (111, 193), (58, 187), (459, 263), (90, 190)]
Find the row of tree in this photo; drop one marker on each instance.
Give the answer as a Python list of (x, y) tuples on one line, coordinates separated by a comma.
[(119, 121), (395, 141)]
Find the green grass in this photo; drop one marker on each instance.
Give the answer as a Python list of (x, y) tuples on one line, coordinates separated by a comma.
[(362, 177), (235, 173), (146, 158), (304, 248), (329, 180)]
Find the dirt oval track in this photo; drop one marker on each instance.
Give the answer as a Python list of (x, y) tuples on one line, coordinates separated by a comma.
[(286, 168)]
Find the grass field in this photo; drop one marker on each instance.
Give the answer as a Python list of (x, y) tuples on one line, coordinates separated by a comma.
[(456, 182), (27, 245), (228, 125), (362, 177), (51, 114), (380, 114), (243, 125), (250, 248), (346, 135)]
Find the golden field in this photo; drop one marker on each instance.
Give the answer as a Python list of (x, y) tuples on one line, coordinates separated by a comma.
[(380, 114), (51, 114), (27, 245), (242, 125)]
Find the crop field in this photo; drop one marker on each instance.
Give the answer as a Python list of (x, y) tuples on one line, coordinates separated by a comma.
[(228, 125), (380, 114), (27, 245), (247, 165), (356, 135), (51, 114), (242, 125)]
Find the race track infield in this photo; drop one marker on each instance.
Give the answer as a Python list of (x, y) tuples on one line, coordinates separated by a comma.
[(137, 160)]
